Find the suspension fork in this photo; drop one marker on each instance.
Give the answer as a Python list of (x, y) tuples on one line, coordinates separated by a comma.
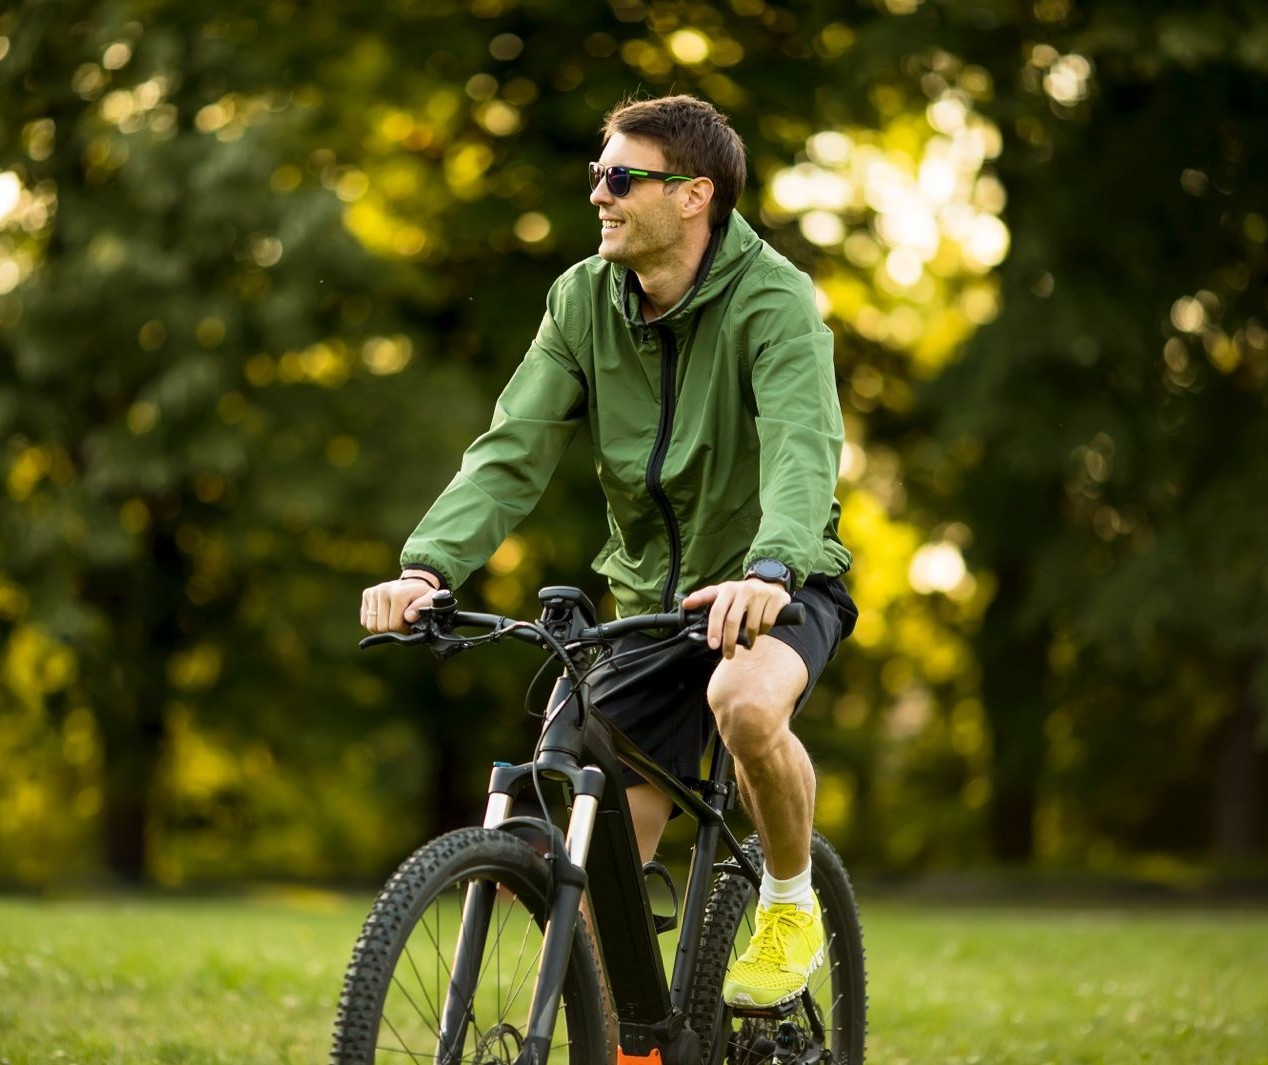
[(568, 873), (568, 882), (477, 910)]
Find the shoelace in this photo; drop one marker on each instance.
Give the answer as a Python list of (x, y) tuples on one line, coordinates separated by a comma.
[(771, 938)]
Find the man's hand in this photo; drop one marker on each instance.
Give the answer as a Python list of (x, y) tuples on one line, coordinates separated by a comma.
[(392, 605), (751, 603)]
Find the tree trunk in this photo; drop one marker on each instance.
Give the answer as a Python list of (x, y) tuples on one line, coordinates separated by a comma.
[(133, 746), (457, 799), (129, 691), (1239, 792), (1013, 665)]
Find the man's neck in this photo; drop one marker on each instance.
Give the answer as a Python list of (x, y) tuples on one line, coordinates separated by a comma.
[(666, 283)]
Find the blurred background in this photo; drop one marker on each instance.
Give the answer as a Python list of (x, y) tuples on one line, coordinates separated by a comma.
[(263, 268)]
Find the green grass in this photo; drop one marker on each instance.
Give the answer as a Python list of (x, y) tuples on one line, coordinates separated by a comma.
[(192, 982), (1074, 987), (255, 980)]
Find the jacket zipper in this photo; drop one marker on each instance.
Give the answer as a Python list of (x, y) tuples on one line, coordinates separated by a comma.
[(656, 463)]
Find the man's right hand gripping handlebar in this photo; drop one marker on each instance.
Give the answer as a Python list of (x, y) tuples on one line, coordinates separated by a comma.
[(393, 605)]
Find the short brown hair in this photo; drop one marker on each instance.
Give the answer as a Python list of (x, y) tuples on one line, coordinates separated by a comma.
[(695, 137)]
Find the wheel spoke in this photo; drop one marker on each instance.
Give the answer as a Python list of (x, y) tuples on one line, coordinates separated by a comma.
[(518, 959), (529, 971), (489, 955), (438, 956), (404, 1049), (435, 1029), (394, 997)]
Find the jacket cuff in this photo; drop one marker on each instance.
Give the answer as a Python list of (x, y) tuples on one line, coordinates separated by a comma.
[(418, 567)]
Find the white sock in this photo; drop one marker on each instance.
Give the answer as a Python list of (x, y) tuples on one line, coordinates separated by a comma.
[(795, 890)]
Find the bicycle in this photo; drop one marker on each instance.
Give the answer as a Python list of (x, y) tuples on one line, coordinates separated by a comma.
[(442, 967)]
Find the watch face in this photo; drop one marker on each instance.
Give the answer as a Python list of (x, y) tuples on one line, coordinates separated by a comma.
[(769, 569)]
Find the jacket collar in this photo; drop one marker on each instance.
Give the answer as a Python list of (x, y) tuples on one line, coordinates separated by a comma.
[(731, 245)]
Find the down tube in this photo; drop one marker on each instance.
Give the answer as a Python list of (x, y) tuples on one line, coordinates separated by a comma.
[(711, 828)]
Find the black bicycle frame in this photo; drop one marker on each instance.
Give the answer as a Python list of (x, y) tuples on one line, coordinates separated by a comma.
[(583, 749)]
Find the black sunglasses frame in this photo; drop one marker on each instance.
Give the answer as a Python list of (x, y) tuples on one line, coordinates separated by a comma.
[(620, 179)]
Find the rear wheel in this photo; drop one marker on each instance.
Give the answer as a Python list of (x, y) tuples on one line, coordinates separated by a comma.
[(837, 988), (445, 965)]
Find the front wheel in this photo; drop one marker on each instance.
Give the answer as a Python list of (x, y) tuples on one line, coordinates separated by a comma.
[(445, 965), (837, 988)]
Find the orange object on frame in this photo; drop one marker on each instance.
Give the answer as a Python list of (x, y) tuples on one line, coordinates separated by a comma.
[(623, 1058)]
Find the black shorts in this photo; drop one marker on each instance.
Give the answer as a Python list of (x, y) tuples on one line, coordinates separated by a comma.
[(658, 699)]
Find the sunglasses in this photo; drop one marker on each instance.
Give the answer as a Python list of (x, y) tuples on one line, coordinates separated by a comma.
[(619, 177)]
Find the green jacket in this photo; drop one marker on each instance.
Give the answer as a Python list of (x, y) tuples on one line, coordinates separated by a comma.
[(716, 429)]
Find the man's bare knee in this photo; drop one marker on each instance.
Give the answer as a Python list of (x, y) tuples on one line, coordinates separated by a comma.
[(753, 697), (750, 717), (751, 728)]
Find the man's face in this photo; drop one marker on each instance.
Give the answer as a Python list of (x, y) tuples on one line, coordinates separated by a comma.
[(643, 228)]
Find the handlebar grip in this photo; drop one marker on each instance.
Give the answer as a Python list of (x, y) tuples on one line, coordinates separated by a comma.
[(792, 614)]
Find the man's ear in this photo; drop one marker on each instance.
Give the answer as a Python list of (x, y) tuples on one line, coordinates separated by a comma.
[(698, 196)]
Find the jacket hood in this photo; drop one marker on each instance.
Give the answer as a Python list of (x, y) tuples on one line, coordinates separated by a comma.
[(732, 245)]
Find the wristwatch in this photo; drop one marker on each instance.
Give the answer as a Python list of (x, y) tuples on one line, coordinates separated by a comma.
[(772, 570)]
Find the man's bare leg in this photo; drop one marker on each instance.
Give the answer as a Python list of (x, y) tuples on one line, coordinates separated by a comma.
[(649, 809), (753, 696)]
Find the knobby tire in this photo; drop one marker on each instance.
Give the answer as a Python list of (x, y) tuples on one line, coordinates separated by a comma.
[(421, 905)]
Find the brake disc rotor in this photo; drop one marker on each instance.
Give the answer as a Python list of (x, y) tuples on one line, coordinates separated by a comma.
[(500, 1045)]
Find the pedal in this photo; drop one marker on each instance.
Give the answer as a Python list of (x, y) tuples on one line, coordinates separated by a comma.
[(776, 1012)]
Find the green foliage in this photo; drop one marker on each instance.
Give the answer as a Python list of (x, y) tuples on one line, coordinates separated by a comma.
[(261, 273), (1117, 409)]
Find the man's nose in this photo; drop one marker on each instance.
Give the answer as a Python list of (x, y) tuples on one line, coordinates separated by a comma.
[(601, 194)]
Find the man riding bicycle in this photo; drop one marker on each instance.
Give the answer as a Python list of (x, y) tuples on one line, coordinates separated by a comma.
[(696, 355)]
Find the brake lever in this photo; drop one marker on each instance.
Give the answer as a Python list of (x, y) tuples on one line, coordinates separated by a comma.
[(695, 624), (395, 637)]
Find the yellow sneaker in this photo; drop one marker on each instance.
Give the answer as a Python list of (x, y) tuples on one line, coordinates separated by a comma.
[(787, 946)]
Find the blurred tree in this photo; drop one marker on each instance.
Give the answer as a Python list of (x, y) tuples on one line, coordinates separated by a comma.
[(262, 271), (195, 375), (1117, 414)]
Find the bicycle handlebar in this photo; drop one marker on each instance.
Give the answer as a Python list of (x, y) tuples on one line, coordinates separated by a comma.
[(792, 614), (435, 626)]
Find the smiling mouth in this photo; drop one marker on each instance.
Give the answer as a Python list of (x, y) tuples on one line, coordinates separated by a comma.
[(608, 224)]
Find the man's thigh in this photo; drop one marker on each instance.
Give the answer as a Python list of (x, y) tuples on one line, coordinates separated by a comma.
[(767, 678), (658, 696), (783, 666)]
